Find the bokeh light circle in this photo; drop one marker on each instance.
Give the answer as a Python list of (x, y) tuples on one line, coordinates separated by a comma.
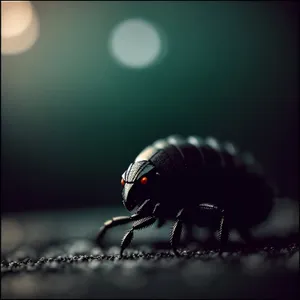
[(136, 43), (16, 16), (14, 40)]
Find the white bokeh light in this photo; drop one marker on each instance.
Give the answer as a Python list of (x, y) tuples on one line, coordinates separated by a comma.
[(16, 16), (20, 27), (136, 43)]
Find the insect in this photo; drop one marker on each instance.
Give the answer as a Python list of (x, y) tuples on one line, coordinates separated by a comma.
[(193, 182)]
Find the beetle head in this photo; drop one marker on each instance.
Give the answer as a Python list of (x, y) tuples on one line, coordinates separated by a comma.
[(138, 181)]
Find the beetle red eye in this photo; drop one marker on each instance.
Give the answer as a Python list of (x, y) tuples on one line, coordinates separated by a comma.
[(122, 181), (144, 180)]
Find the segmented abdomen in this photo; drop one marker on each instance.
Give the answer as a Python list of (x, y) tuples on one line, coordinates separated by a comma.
[(196, 170), (192, 156)]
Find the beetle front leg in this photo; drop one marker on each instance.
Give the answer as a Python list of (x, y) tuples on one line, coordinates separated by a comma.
[(145, 208), (145, 222), (157, 213), (116, 221)]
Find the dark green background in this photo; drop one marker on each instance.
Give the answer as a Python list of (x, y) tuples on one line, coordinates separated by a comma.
[(73, 119)]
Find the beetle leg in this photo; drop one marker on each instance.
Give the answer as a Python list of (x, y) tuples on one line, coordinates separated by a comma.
[(175, 236), (223, 234), (156, 213), (116, 221), (176, 232), (145, 222), (209, 207), (142, 211), (145, 208), (156, 209), (215, 212)]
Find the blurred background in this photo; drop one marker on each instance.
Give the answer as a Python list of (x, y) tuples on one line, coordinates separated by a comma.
[(86, 85)]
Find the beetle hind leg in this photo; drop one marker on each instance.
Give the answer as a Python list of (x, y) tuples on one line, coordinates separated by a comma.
[(223, 235)]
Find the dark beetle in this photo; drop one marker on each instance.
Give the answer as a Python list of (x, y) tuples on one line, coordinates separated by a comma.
[(193, 182)]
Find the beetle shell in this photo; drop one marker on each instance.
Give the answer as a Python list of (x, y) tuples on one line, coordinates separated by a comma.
[(196, 170)]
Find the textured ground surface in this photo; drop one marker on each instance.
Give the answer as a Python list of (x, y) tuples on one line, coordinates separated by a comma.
[(53, 256)]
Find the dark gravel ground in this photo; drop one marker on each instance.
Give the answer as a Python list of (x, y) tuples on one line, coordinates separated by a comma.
[(53, 256)]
